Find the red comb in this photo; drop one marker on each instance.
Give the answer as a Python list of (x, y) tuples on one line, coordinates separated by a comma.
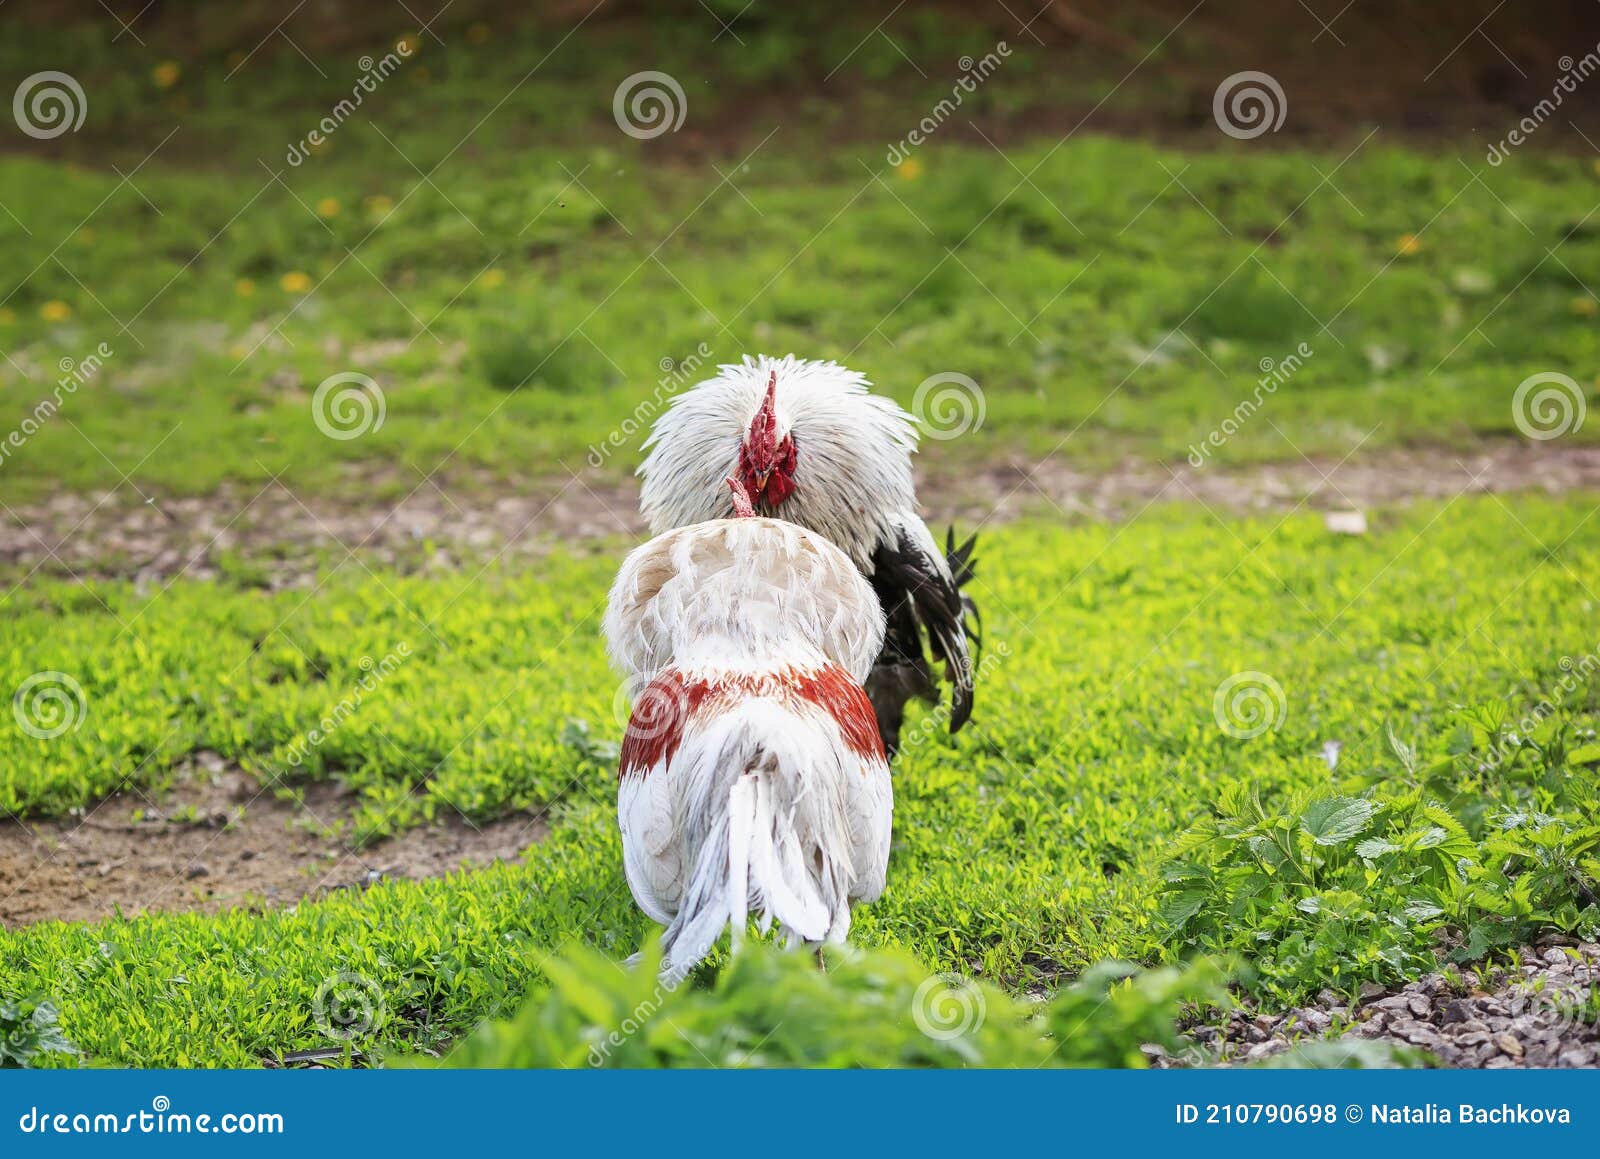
[(764, 427), (742, 507)]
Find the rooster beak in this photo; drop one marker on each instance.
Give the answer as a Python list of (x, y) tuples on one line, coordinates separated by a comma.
[(761, 480)]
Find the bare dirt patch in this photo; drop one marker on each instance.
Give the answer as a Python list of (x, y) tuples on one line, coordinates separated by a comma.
[(218, 842), (1009, 490), (274, 538)]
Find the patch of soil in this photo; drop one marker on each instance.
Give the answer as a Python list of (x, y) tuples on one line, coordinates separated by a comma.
[(1322, 483), (1538, 1015), (273, 538), (218, 842)]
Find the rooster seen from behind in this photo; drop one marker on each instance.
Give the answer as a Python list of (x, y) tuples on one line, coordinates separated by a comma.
[(752, 777)]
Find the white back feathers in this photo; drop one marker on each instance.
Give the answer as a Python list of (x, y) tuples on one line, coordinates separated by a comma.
[(741, 592)]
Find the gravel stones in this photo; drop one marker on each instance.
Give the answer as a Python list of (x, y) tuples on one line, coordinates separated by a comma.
[(1539, 1015)]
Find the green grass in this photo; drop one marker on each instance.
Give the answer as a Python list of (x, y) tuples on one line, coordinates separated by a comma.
[(517, 305), (1047, 836), (442, 692)]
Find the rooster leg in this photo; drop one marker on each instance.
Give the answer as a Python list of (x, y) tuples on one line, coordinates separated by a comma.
[(822, 963)]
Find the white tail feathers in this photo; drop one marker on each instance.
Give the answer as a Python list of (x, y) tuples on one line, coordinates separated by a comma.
[(765, 830)]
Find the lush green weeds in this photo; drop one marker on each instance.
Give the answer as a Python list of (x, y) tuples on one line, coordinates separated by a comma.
[(872, 1008), (1047, 836), (769, 1008), (1323, 888)]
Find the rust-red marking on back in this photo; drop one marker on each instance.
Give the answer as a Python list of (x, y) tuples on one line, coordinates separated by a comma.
[(672, 700), (831, 689)]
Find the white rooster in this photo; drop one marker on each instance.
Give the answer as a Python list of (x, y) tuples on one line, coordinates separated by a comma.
[(752, 779), (815, 447)]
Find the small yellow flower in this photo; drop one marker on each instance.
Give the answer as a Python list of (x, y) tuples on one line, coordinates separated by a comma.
[(492, 279), (85, 236), (6, 317), (378, 205), (478, 33), (55, 311), (1408, 244), (1585, 307), (408, 44), (238, 350), (244, 287), (295, 282), (166, 74), (328, 207), (909, 169)]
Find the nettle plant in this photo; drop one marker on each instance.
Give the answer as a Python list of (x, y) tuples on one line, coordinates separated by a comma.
[(29, 1034), (1473, 851)]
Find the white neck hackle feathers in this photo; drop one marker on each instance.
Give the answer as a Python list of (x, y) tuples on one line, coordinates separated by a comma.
[(853, 452)]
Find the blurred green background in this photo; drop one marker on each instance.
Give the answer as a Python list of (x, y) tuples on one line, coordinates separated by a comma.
[(481, 237)]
